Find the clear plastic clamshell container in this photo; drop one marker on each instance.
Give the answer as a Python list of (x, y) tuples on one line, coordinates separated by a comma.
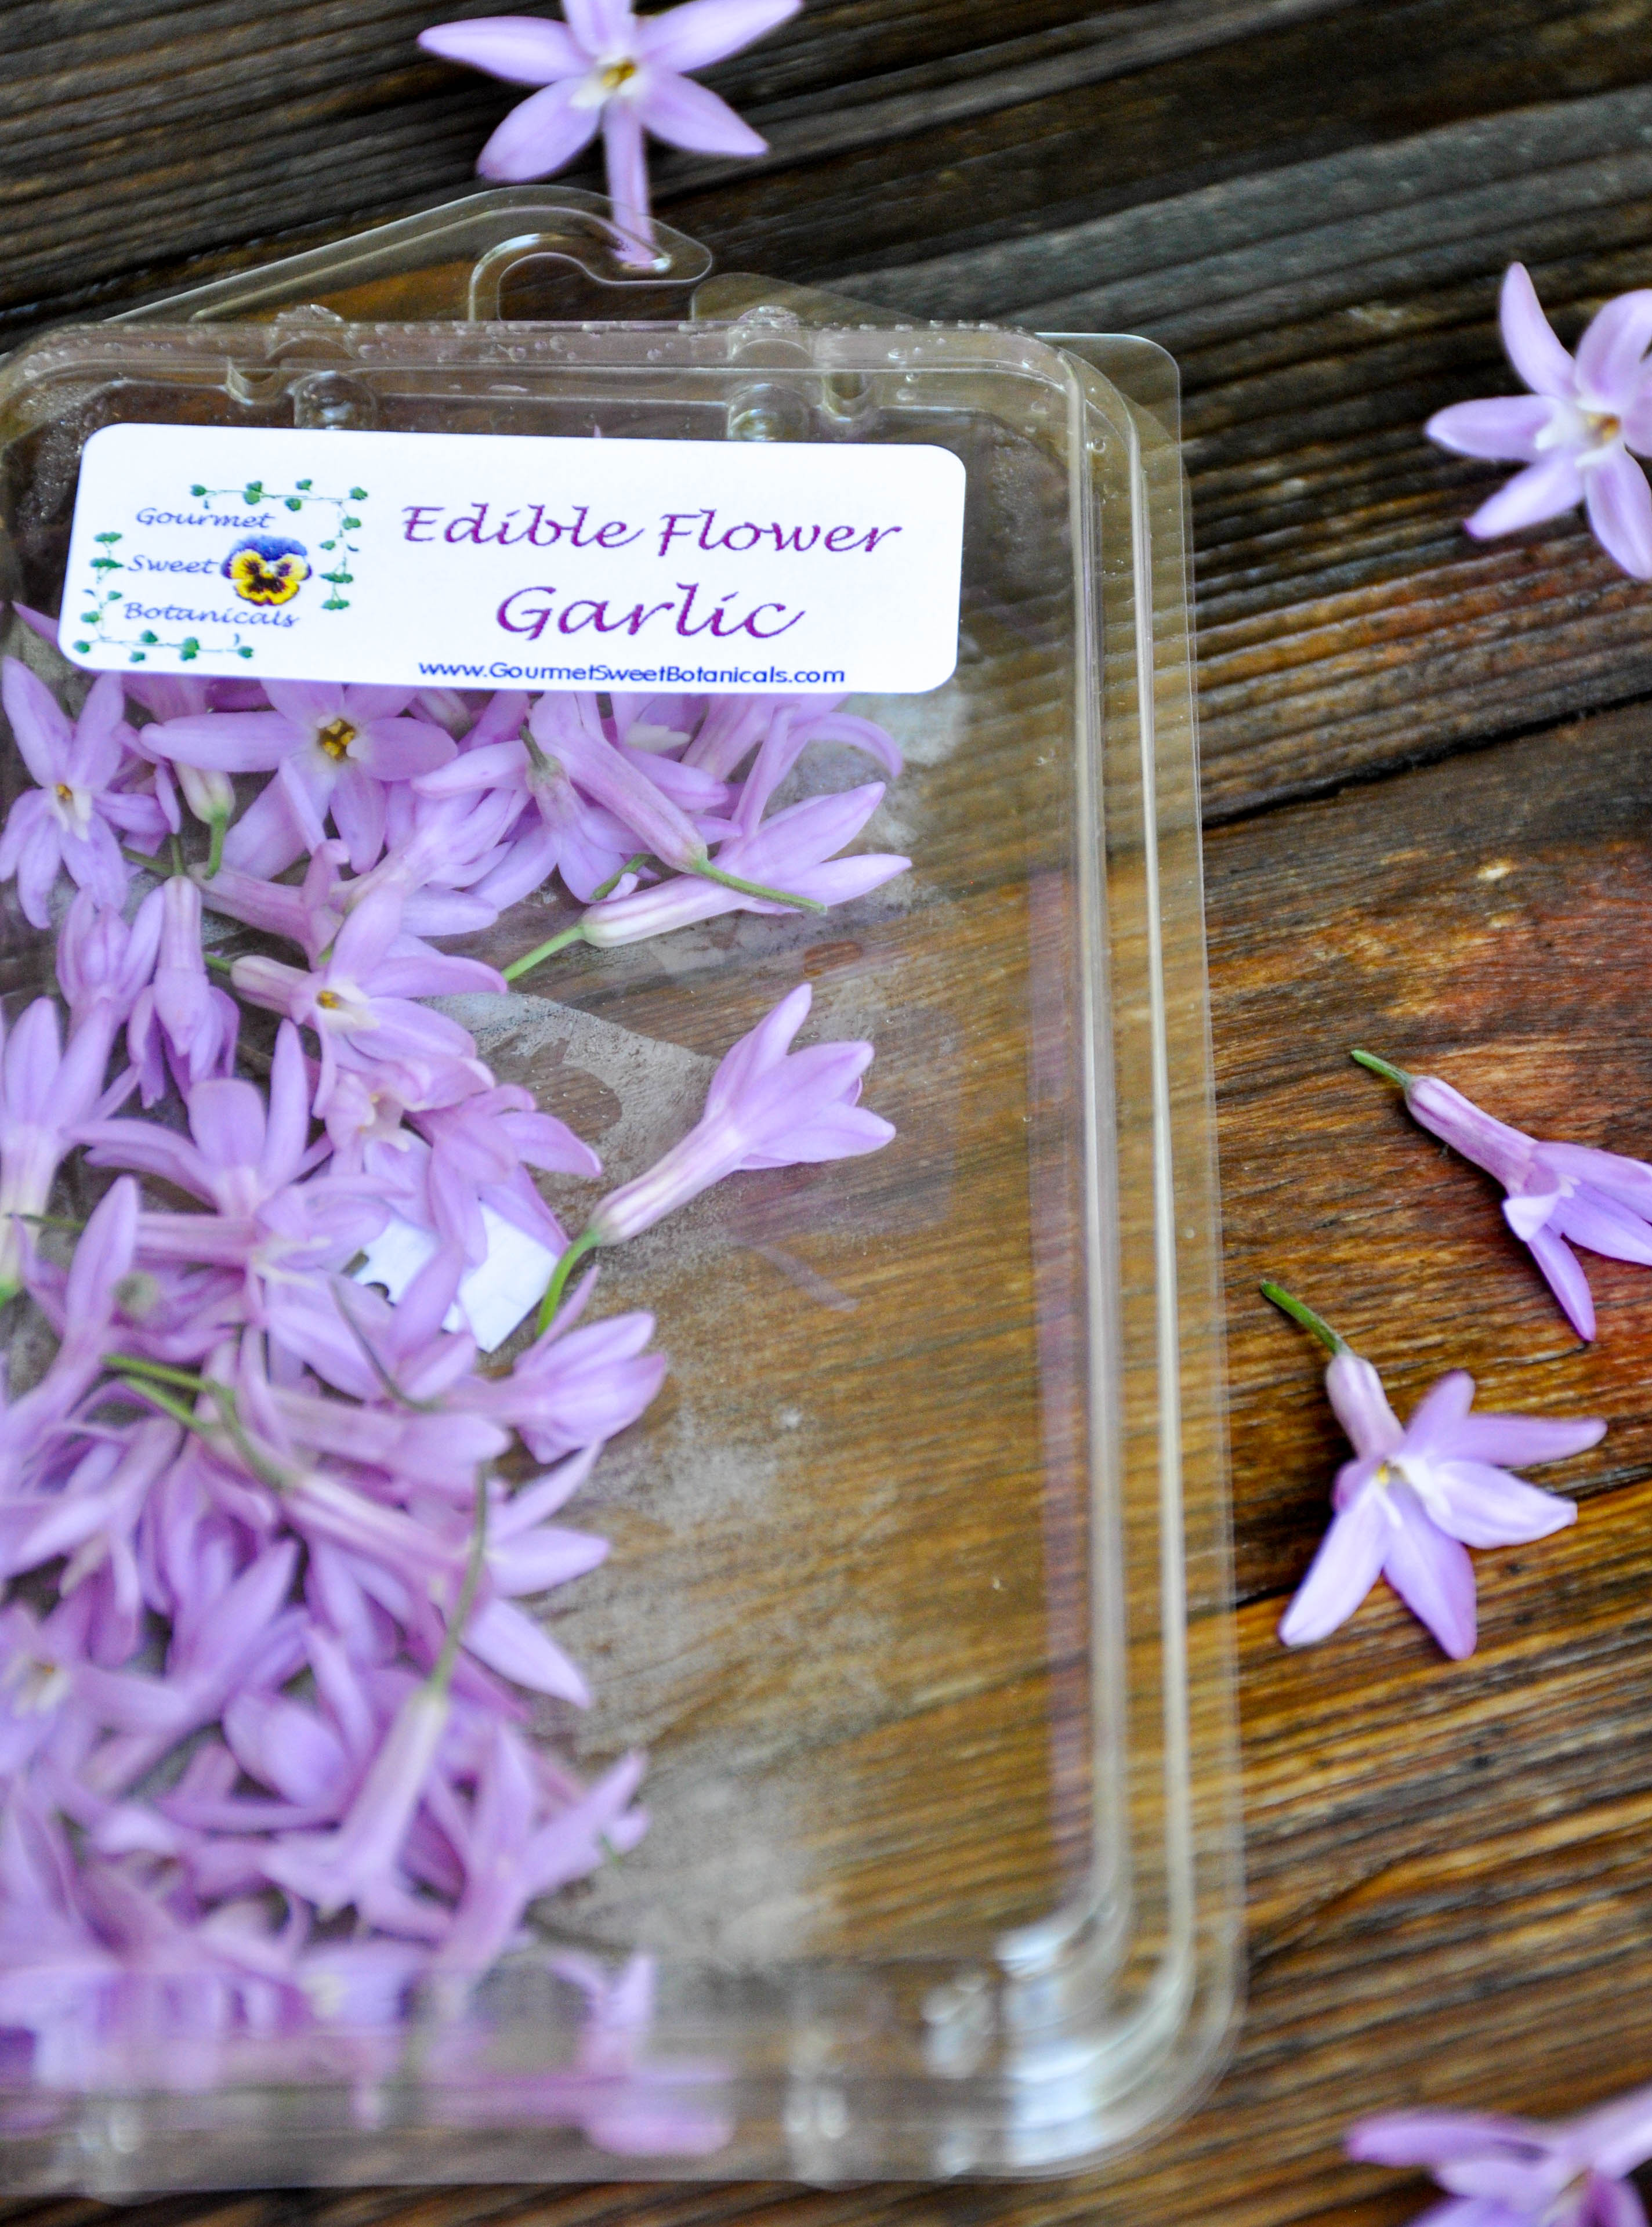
[(918, 1591)]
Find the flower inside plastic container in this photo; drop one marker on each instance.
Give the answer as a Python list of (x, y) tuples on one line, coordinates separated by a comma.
[(583, 1482)]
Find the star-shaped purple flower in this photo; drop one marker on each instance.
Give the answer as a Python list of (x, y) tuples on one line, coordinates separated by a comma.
[(1574, 431), (1416, 1496), (604, 69)]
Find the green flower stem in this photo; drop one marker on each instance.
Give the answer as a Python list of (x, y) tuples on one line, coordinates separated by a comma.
[(131, 1364), (604, 888), (1305, 1316), (142, 1390), (584, 1243), (51, 1221), (216, 855), (145, 1379), (223, 966), (713, 873), (1396, 1074), (531, 959)]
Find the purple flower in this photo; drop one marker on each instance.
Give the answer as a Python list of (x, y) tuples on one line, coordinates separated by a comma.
[(1414, 1498), (514, 1851), (180, 1021), (102, 963), (479, 1151), (359, 1861), (103, 1257), (331, 748), (1574, 432), (47, 1093), (567, 738), (72, 818), (604, 68), (1601, 1201), (766, 1107), (572, 1388), (1519, 2173), (247, 1161), (791, 731), (793, 850), (360, 1000), (566, 834)]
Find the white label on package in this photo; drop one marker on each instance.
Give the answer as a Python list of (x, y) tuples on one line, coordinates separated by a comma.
[(506, 560)]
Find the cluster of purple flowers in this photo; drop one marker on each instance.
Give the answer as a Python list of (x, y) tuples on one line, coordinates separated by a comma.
[(266, 1679)]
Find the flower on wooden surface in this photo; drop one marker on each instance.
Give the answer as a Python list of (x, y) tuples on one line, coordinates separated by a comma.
[(1519, 2173), (1417, 1495), (604, 69), (1602, 1201), (1574, 431)]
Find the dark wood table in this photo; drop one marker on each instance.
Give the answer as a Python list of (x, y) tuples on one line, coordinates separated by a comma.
[(1428, 782)]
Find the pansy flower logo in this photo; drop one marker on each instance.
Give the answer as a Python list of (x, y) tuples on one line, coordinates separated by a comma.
[(267, 570)]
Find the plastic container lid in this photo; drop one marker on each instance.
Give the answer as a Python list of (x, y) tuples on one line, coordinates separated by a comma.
[(918, 1591)]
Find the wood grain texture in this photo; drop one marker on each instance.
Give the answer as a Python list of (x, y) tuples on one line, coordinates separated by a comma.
[(1450, 1866)]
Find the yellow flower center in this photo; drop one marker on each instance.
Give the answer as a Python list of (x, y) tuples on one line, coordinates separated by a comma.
[(65, 794), (329, 998), (336, 736), (616, 75), (34, 1685)]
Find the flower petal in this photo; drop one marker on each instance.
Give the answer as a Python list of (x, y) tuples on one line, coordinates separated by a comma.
[(267, 836), (1487, 1506), (684, 114), (1610, 2202), (1519, 1440), (229, 742), (539, 135), (1564, 1279), (1441, 1407), (1432, 2138), (396, 750), (1360, 1405), (521, 49), (1506, 426), (40, 727), (1530, 337), (1527, 1211), (1589, 1218), (1541, 491), (1343, 1571), (702, 31), (359, 815), (1612, 355), (512, 1644), (1431, 1573), (95, 755), (1619, 503), (37, 864), (602, 27)]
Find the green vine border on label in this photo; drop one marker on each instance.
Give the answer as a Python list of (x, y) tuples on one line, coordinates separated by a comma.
[(101, 595)]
